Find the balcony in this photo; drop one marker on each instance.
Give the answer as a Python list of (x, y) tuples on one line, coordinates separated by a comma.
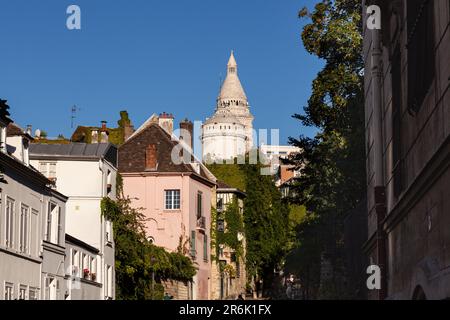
[(201, 223)]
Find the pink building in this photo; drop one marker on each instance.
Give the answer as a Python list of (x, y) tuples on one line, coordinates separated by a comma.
[(176, 198)]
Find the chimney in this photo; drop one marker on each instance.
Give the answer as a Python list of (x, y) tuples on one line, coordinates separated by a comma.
[(166, 122), (128, 131), (151, 158), (187, 133), (104, 125)]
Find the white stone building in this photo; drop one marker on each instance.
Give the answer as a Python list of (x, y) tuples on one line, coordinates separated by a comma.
[(32, 220), (229, 132), (86, 173)]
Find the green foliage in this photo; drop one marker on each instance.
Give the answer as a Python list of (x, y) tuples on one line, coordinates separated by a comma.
[(231, 174), (137, 261), (333, 163), (267, 221), (234, 225)]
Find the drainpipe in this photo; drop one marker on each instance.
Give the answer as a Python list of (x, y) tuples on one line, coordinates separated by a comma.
[(379, 189)]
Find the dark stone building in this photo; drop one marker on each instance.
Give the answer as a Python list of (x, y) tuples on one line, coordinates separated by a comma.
[(407, 106)]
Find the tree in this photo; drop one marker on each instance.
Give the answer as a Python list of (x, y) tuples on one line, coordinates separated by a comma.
[(332, 164)]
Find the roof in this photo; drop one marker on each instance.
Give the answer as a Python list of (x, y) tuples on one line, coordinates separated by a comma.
[(152, 120), (222, 187), (232, 87), (75, 151), (132, 153), (72, 149), (223, 117), (80, 243), (13, 130)]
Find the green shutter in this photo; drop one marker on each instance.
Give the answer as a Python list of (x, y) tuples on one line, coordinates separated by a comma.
[(205, 247)]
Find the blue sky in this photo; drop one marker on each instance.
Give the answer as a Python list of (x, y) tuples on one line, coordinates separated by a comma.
[(148, 56)]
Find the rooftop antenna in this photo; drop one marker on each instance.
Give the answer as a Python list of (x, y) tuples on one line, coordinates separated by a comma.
[(73, 116)]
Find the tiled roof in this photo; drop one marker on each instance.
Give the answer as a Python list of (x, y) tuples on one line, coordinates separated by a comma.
[(132, 153)]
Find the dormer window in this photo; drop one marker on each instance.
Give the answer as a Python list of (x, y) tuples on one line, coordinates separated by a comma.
[(232, 70)]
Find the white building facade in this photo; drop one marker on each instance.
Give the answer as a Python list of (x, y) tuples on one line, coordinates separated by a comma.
[(86, 173), (32, 220), (229, 132)]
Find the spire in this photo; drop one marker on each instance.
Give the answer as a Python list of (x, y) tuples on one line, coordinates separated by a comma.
[(232, 63), (231, 87)]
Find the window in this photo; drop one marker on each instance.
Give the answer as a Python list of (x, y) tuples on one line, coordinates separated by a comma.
[(48, 169), (220, 225), (172, 199), (199, 205), (54, 227), (9, 291), (220, 204), (24, 229), (10, 222), (75, 263), (23, 292), (52, 170), (205, 248), (51, 288), (421, 54), (33, 294)]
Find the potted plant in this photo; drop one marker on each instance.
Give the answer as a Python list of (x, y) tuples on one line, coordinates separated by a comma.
[(86, 273), (93, 276)]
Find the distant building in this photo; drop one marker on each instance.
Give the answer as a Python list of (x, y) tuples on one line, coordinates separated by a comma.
[(86, 173), (176, 196), (228, 283), (284, 174), (229, 132), (408, 146), (105, 134), (32, 222)]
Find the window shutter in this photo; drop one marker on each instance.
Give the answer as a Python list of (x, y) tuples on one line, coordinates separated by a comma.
[(47, 289), (48, 230), (193, 236), (205, 247), (59, 225)]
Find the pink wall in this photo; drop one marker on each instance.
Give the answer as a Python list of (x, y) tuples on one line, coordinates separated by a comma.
[(167, 226)]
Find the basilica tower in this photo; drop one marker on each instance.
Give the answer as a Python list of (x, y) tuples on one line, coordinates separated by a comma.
[(229, 132)]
